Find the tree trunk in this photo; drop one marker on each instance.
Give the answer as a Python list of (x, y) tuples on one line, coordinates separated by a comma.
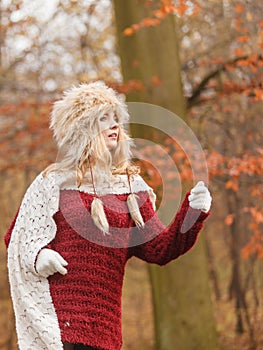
[(183, 307), (183, 311), (150, 53)]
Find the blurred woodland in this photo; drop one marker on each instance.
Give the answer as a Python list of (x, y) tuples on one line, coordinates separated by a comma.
[(200, 59)]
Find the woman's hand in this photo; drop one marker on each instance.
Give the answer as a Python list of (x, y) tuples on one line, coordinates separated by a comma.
[(49, 262), (200, 197)]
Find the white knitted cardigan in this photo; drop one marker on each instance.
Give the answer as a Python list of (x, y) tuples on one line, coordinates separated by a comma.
[(36, 320)]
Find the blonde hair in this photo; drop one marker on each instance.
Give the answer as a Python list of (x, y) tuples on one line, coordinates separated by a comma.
[(75, 123)]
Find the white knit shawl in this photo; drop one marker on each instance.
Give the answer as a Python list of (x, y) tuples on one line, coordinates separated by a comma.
[(36, 320)]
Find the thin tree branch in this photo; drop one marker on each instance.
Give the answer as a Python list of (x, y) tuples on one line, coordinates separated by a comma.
[(198, 90)]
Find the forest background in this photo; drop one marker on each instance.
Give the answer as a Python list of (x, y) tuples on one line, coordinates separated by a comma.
[(47, 46)]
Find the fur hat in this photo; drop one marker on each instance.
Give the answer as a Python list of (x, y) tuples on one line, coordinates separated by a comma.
[(73, 118)]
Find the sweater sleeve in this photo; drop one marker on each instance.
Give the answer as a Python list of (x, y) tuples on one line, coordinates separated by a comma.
[(165, 244)]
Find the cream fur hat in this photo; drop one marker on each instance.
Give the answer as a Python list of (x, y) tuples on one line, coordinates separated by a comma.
[(73, 118)]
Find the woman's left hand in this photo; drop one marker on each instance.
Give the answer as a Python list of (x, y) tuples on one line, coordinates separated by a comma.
[(200, 197)]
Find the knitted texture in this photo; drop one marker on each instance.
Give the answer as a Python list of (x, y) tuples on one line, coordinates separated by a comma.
[(84, 306), (36, 319)]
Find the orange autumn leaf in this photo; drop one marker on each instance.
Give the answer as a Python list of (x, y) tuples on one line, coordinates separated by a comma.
[(258, 93), (246, 252), (253, 68), (243, 63), (255, 246), (260, 253), (239, 8), (233, 185), (135, 27), (229, 219), (156, 81), (229, 67), (257, 215), (238, 52), (128, 32), (149, 22), (182, 9), (254, 58), (243, 39), (160, 14), (168, 6)]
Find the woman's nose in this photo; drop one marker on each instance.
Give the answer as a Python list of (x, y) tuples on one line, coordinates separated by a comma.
[(113, 124)]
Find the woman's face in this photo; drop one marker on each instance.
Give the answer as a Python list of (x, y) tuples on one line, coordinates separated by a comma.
[(109, 127)]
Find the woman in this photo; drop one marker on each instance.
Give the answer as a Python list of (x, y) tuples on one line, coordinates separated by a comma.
[(80, 221)]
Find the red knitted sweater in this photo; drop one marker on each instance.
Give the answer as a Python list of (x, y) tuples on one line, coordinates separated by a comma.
[(87, 299)]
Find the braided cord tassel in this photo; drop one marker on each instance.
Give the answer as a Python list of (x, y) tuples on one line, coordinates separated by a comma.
[(97, 209), (133, 206), (134, 210), (98, 215)]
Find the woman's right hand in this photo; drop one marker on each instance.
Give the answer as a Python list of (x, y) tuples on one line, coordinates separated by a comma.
[(49, 262)]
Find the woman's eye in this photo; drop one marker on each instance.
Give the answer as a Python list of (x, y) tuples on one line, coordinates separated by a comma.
[(103, 118), (116, 118)]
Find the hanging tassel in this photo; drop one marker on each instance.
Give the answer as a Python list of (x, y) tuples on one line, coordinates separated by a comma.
[(98, 215), (133, 205), (134, 210), (97, 210), (152, 197)]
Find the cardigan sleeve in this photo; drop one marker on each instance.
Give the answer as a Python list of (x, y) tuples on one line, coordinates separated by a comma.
[(33, 227), (163, 244), (8, 234)]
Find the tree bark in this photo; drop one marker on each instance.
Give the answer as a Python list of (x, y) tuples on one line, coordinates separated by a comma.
[(151, 52), (183, 311)]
